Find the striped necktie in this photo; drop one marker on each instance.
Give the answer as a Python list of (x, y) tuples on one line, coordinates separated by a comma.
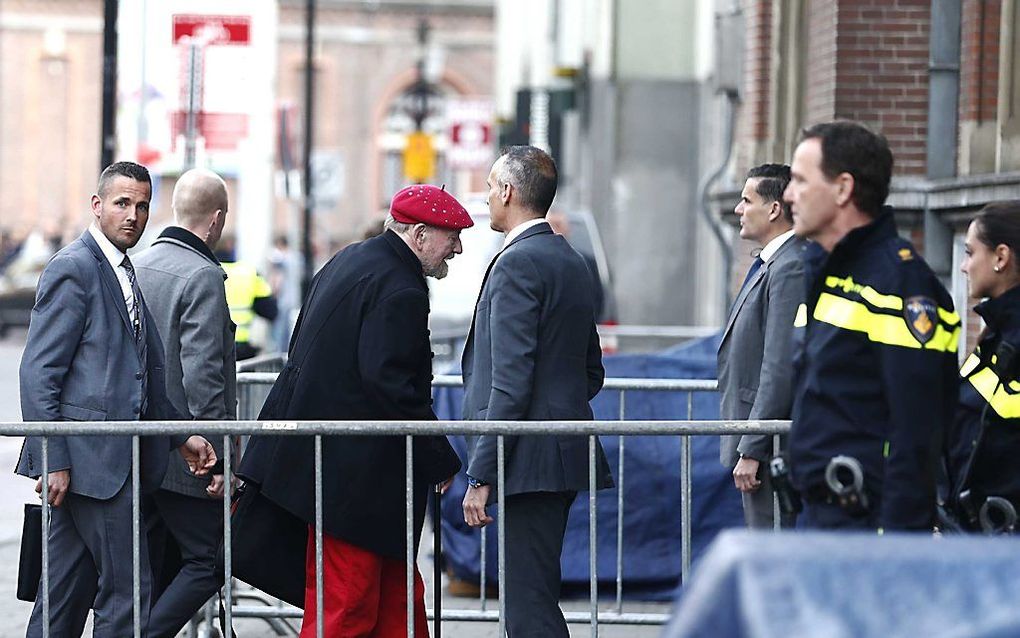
[(136, 296)]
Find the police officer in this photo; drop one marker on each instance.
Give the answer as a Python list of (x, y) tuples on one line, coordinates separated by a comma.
[(248, 295), (874, 345), (984, 442)]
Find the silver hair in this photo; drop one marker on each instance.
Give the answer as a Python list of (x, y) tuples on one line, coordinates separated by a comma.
[(399, 228)]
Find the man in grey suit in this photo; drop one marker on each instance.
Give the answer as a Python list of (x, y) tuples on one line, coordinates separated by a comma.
[(532, 354), (755, 368), (93, 354), (183, 282)]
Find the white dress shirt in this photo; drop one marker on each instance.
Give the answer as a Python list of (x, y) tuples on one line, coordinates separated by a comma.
[(516, 231), (773, 246), (115, 257)]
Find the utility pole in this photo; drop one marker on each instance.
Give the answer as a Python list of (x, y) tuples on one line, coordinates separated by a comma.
[(109, 133), (306, 244)]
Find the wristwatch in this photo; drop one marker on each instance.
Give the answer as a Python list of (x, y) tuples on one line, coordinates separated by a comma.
[(473, 482)]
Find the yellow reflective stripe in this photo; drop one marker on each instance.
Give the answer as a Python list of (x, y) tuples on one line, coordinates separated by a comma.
[(869, 294), (880, 328), (970, 364), (880, 300), (801, 319), (1005, 404), (949, 317)]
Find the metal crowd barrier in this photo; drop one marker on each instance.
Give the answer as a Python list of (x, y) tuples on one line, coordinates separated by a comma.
[(620, 428)]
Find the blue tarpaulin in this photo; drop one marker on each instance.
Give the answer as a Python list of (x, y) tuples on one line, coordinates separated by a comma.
[(651, 551), (852, 585)]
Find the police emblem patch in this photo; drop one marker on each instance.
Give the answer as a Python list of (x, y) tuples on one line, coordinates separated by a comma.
[(921, 316)]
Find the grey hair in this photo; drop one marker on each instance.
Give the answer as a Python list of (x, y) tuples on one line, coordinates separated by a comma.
[(532, 173), (399, 228)]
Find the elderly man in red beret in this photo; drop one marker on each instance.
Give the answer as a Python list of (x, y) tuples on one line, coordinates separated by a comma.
[(360, 351)]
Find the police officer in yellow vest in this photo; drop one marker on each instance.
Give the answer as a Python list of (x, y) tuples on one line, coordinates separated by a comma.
[(874, 346), (248, 295)]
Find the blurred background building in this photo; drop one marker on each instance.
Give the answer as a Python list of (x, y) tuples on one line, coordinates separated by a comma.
[(654, 110)]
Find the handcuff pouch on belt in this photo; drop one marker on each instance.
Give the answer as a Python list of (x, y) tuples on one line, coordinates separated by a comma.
[(850, 495)]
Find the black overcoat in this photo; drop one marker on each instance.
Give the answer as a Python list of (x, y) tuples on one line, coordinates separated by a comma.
[(360, 351)]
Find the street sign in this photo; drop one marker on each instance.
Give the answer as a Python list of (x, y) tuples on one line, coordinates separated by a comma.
[(213, 29), (419, 157), (470, 121)]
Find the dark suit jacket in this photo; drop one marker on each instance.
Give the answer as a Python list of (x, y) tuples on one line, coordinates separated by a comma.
[(755, 354), (81, 364), (360, 351), (533, 354)]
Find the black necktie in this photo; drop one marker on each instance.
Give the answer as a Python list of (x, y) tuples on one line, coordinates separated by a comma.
[(136, 295)]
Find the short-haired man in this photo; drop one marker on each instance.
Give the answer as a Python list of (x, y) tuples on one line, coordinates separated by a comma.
[(183, 282), (532, 354), (93, 354), (875, 343), (361, 351), (755, 375)]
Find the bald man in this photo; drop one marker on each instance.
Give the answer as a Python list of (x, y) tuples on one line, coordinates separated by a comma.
[(182, 281)]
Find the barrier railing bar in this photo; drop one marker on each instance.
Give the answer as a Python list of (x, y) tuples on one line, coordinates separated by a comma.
[(319, 612), (136, 541), (501, 531), (613, 383), (482, 576), (686, 466), (390, 428), (409, 530), (228, 557), (776, 514), (593, 538), (619, 508), (474, 615), (45, 537)]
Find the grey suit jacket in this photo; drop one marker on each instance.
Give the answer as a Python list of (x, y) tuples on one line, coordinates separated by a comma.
[(533, 354), (184, 292), (755, 366), (81, 364)]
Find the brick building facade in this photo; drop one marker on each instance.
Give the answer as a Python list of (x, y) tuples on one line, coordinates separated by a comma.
[(871, 61)]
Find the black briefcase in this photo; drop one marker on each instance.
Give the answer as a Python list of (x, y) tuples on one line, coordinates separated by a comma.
[(268, 546), (30, 563)]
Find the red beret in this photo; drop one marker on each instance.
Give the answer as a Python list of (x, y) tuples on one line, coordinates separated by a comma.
[(427, 204)]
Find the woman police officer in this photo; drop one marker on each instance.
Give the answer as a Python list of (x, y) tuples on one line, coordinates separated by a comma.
[(984, 443)]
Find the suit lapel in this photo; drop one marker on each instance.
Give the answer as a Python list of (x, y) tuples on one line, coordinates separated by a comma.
[(110, 281), (742, 297), (758, 276), (537, 229)]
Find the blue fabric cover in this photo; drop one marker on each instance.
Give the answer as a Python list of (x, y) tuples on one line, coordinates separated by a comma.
[(854, 585), (651, 552)]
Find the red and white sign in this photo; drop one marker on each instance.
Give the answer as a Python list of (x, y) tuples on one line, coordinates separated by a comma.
[(223, 63), (470, 121), (212, 29)]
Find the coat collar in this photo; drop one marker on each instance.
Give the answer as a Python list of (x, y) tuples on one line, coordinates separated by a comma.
[(400, 247), (179, 235), (1001, 313), (538, 229)]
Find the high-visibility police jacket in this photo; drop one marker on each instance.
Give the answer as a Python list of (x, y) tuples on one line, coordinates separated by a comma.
[(984, 443), (244, 286), (874, 371)]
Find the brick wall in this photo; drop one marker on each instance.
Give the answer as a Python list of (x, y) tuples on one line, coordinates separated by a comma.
[(979, 59), (820, 105), (882, 73), (752, 127)]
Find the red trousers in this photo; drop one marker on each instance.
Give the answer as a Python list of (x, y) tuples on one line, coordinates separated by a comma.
[(363, 595)]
